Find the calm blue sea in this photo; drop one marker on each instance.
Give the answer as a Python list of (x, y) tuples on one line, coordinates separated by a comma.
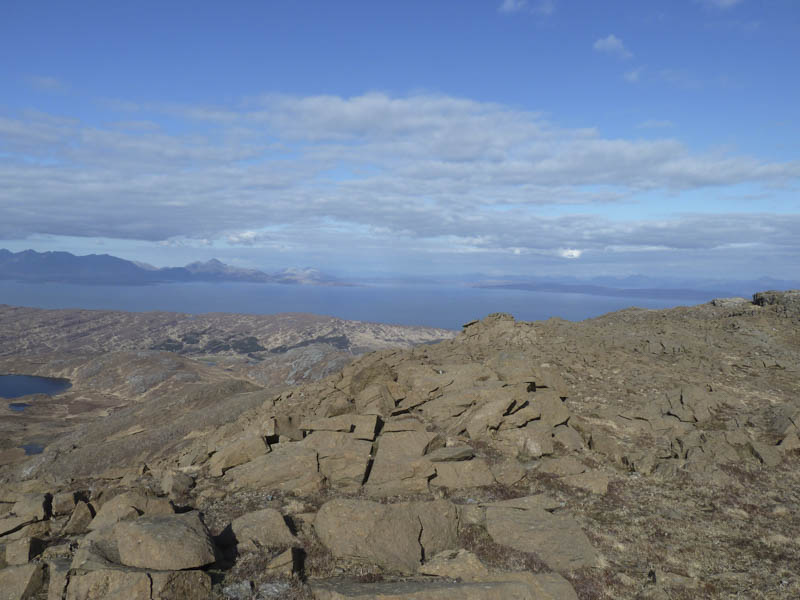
[(430, 305)]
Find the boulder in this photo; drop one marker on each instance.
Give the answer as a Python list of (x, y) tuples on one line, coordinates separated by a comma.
[(375, 399), (19, 552), (361, 426), (123, 584), (63, 503), (508, 472), (129, 505), (343, 458), (398, 467), (32, 507), (79, 520), (241, 450), (176, 483), (264, 528), (283, 564), (180, 585), (164, 542), (58, 575), (22, 582), (290, 467)]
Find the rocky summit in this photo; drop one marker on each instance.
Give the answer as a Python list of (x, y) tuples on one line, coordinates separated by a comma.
[(642, 454)]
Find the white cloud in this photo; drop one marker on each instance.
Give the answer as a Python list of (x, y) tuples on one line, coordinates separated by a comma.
[(634, 75), (373, 174), (611, 44), (570, 253), (509, 6)]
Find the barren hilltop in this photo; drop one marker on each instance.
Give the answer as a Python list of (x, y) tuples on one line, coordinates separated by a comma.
[(642, 454)]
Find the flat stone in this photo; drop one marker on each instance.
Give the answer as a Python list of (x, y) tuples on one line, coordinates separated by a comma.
[(451, 454), (557, 539), (564, 465), (505, 586), (462, 474), (508, 472), (591, 481)]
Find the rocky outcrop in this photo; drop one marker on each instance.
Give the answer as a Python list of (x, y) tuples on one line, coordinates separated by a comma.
[(545, 460)]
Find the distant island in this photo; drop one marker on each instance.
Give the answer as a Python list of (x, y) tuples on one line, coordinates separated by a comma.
[(64, 267)]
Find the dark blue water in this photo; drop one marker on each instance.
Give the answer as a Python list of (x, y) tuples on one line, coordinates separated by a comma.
[(33, 449), (18, 406), (15, 386), (431, 305)]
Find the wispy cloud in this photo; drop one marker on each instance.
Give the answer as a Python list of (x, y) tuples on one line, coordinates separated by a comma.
[(510, 6), (634, 75), (47, 84), (424, 172), (544, 7), (611, 44), (655, 124), (538, 7), (723, 4)]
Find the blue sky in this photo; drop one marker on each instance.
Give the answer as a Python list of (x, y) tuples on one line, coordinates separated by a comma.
[(535, 137)]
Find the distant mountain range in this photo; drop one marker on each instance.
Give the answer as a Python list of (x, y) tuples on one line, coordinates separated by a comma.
[(64, 267)]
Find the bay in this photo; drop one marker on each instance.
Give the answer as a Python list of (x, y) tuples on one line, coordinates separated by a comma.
[(446, 306)]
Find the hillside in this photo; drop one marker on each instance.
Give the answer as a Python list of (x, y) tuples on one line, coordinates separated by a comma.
[(642, 454)]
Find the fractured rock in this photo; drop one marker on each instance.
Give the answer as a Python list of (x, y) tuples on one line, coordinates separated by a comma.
[(241, 450), (556, 538), (393, 536), (343, 458), (290, 467)]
